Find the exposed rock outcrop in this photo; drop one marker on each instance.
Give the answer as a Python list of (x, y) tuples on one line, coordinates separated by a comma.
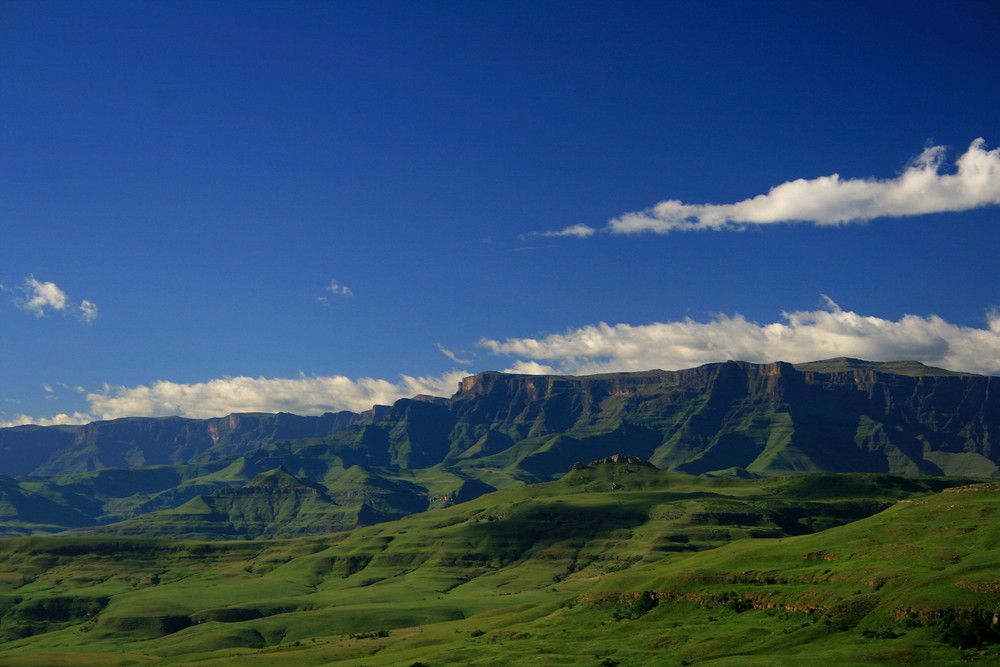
[(622, 458)]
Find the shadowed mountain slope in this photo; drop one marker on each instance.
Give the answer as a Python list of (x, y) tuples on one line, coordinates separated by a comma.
[(147, 441)]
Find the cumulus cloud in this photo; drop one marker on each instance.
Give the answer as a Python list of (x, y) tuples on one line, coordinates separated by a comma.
[(305, 395), (830, 200), (828, 331), (41, 298)]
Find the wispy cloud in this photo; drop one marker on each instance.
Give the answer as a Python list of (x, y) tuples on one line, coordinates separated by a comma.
[(830, 200), (828, 331), (42, 298), (580, 231), (336, 289), (451, 355)]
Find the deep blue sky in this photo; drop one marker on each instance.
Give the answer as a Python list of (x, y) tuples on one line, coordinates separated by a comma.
[(200, 172)]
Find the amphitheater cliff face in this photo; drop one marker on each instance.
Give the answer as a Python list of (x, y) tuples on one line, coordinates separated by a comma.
[(838, 415), (767, 418)]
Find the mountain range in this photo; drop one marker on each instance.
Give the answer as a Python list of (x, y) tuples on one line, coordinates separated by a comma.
[(835, 511), (282, 475)]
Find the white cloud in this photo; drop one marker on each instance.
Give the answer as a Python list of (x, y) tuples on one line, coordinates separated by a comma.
[(23, 420), (338, 289), (451, 355), (87, 311), (831, 200), (304, 395), (801, 336), (44, 297), (531, 368), (580, 231)]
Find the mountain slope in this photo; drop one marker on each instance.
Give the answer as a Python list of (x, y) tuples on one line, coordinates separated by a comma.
[(147, 441), (613, 564), (274, 504)]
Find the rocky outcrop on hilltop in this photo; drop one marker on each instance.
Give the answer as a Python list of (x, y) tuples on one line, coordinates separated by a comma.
[(622, 458)]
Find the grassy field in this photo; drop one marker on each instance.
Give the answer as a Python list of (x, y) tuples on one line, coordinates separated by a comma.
[(613, 565)]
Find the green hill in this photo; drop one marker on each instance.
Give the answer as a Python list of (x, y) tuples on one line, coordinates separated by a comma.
[(617, 563), (274, 504)]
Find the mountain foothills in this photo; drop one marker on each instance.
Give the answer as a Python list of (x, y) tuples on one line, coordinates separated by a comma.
[(282, 475), (617, 563)]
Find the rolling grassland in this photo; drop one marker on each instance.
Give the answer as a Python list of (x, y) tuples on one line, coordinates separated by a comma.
[(615, 564)]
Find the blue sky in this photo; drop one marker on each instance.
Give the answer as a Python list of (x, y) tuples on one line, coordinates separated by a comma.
[(211, 207)]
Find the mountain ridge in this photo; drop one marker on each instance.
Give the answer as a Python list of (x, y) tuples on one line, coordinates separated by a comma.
[(233, 433), (503, 430)]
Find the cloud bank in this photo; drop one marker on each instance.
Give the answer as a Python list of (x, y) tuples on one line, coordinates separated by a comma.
[(800, 336), (304, 395), (60, 419), (41, 298), (831, 200)]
